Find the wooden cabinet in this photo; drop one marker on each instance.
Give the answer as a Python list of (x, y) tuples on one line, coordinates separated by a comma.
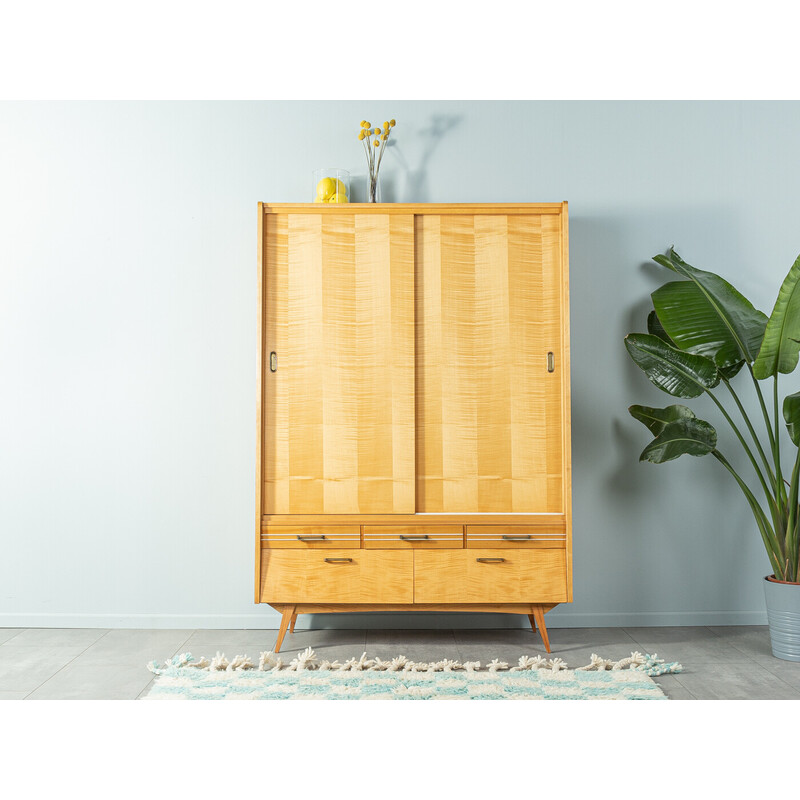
[(413, 408)]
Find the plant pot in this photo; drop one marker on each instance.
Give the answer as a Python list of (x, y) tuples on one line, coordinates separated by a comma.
[(783, 614)]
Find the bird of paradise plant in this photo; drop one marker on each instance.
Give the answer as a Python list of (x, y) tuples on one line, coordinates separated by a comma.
[(702, 332)]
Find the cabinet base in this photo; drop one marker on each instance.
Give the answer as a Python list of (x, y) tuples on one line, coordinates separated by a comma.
[(534, 612)]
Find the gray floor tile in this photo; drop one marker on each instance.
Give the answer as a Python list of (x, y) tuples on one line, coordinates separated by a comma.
[(26, 668), (672, 687), (13, 695), (752, 640), (574, 645), (59, 637), (250, 639), (787, 671), (330, 645), (327, 644), (743, 681), (81, 681), (136, 646), (687, 645), (6, 634), (417, 645)]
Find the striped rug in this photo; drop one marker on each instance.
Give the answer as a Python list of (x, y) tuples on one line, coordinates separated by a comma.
[(306, 678)]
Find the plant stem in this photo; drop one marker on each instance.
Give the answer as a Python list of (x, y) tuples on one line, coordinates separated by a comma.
[(767, 534), (749, 452), (763, 408), (791, 542), (763, 455), (777, 456)]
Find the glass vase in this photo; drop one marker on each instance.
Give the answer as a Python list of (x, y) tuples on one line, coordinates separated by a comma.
[(373, 189), (331, 185)]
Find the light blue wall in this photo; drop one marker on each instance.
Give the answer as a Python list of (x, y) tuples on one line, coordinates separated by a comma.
[(128, 325)]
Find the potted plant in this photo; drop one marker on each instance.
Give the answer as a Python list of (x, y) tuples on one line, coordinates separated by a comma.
[(701, 334)]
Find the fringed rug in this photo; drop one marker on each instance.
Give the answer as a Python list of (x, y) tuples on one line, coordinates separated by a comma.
[(307, 678)]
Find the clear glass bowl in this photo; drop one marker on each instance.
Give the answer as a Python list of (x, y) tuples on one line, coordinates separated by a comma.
[(331, 185)]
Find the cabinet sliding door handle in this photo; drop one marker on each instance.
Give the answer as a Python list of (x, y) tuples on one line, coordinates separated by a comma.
[(338, 560), (311, 538), (516, 538), (414, 538), (490, 560)]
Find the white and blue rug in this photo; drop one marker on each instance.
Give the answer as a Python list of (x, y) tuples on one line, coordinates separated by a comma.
[(307, 678)]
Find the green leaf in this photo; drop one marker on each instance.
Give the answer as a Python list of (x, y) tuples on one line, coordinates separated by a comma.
[(655, 419), (791, 413), (691, 321), (779, 351), (655, 327), (745, 323), (674, 371), (693, 437)]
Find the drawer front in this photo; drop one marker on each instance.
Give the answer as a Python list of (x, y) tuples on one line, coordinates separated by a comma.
[(400, 537), (305, 537), (491, 576), (336, 576), (483, 536)]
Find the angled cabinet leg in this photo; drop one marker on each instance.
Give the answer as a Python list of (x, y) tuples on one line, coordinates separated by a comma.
[(288, 613), (291, 624), (538, 615), (533, 622)]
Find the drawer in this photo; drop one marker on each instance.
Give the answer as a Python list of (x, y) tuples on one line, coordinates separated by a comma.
[(482, 536), (305, 537), (336, 576), (399, 537), (490, 576)]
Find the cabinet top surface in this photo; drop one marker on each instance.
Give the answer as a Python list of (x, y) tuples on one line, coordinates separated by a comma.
[(414, 208)]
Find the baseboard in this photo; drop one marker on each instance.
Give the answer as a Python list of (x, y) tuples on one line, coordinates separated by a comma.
[(267, 618)]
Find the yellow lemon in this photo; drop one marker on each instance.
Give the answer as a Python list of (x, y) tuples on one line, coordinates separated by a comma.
[(340, 187), (339, 197), (325, 188)]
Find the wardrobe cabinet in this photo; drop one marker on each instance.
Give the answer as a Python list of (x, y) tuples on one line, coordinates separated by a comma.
[(413, 409)]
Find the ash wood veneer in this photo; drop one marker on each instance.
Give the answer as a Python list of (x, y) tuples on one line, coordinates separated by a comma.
[(413, 409)]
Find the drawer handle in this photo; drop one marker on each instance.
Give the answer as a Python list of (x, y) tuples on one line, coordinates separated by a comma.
[(414, 538), (338, 560), (517, 538), (490, 560), (311, 538)]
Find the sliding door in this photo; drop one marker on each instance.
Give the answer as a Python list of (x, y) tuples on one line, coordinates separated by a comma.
[(339, 335), (489, 355)]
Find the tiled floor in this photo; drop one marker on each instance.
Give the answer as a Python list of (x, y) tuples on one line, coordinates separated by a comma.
[(722, 663)]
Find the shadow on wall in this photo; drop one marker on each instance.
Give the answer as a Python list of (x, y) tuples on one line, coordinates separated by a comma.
[(416, 178), (631, 507)]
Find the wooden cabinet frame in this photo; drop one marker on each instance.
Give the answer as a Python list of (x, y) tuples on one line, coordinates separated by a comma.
[(546, 523)]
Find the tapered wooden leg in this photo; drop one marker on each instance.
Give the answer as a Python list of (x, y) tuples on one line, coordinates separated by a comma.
[(291, 624), (538, 615), (533, 622), (288, 612)]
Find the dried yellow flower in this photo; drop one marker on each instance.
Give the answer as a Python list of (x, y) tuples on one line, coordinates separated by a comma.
[(385, 125), (367, 124), (392, 123), (377, 131), (376, 143), (385, 136), (360, 135), (363, 123)]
